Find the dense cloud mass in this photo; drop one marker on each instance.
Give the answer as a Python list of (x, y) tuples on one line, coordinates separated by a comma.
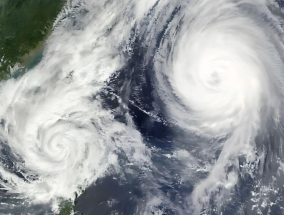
[(181, 102)]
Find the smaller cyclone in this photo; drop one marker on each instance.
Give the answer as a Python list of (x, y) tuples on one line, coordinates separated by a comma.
[(62, 141), (59, 135), (222, 77), (62, 147)]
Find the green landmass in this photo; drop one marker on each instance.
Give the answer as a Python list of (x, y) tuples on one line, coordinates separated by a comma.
[(24, 24), (66, 208)]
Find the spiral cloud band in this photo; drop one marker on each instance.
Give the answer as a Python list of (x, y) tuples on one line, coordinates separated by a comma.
[(59, 137), (216, 69), (223, 76)]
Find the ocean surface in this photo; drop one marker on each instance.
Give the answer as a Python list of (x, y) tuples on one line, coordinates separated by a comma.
[(149, 107)]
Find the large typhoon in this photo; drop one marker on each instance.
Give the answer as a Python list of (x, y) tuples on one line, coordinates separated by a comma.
[(216, 73)]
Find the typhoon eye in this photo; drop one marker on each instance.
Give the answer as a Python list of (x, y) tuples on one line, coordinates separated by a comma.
[(171, 107)]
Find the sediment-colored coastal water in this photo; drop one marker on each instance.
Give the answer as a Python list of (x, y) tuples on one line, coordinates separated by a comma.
[(24, 26)]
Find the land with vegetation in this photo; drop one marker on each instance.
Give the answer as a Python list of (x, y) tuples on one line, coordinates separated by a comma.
[(24, 25)]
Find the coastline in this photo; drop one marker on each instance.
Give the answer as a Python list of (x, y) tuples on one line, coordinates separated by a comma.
[(24, 28)]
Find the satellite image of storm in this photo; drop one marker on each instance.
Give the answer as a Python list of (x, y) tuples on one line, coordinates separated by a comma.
[(141, 107)]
